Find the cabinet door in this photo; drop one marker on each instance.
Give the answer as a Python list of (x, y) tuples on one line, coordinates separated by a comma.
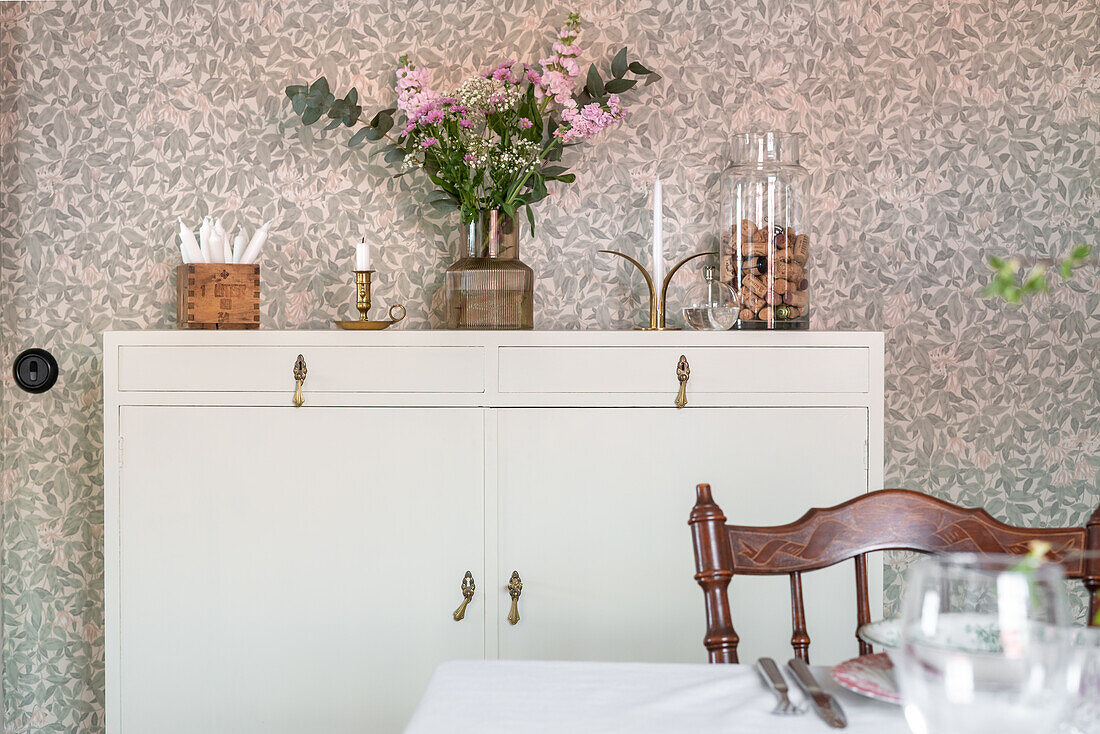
[(593, 509), (289, 570)]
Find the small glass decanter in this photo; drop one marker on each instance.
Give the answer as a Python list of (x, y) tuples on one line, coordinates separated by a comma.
[(711, 305)]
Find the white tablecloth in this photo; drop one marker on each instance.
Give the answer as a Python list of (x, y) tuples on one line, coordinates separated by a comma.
[(530, 697)]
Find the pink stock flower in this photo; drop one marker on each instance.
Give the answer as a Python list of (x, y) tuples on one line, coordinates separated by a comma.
[(465, 123), (428, 142), (525, 124), (557, 85), (412, 87), (512, 72), (587, 122), (561, 70)]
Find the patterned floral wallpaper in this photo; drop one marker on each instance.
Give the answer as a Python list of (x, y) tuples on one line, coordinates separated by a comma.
[(939, 132)]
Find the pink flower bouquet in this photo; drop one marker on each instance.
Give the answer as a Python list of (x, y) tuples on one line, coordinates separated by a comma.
[(495, 141)]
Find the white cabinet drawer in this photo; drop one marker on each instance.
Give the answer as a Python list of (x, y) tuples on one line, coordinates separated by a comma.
[(713, 369), (429, 369)]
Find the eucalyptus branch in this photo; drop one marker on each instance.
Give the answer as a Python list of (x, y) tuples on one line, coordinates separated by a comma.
[(490, 142)]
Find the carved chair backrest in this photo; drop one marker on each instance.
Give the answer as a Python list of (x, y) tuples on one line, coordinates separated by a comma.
[(888, 519)]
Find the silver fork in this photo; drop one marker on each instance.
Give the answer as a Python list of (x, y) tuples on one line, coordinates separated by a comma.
[(770, 672)]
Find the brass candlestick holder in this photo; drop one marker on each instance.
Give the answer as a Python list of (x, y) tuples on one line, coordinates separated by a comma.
[(657, 302), (362, 304)]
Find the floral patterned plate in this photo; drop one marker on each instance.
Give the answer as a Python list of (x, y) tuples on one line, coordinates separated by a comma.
[(974, 633), (869, 675), (885, 633)]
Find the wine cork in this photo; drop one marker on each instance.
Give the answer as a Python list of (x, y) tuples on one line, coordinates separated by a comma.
[(754, 265), (773, 298), (747, 313), (795, 312), (789, 271), (753, 249), (754, 302), (757, 285), (795, 298), (801, 249), (780, 286), (765, 313), (725, 268), (748, 229), (760, 236), (780, 240)]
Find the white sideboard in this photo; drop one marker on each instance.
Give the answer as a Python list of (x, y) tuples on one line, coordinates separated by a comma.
[(278, 569)]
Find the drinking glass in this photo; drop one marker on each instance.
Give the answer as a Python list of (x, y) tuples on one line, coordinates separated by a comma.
[(985, 646), (1084, 715)]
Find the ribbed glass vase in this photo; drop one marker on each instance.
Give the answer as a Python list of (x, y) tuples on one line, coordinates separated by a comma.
[(488, 287)]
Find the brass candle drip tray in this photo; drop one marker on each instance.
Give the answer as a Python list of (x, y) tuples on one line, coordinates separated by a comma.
[(362, 303)]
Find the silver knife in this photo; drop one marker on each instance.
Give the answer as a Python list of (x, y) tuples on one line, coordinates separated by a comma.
[(827, 707)]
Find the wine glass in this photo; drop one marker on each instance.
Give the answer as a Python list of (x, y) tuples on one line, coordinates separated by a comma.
[(1084, 683), (985, 646)]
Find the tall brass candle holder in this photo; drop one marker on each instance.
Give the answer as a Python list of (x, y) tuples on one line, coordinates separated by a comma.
[(657, 302), (362, 304)]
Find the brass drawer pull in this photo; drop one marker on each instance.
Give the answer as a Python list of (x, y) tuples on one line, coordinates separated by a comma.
[(515, 588), (299, 380), (683, 372), (468, 588)]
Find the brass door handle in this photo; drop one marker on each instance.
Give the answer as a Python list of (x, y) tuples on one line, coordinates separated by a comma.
[(468, 588), (683, 373), (299, 380), (515, 588)]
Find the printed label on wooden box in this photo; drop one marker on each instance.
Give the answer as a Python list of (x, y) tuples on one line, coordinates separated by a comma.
[(218, 296)]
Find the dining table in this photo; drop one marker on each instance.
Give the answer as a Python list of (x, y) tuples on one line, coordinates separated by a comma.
[(531, 697)]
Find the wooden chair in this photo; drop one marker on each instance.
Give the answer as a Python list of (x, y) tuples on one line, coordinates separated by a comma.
[(889, 519)]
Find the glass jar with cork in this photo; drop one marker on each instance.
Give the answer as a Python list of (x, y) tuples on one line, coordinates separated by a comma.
[(765, 244)]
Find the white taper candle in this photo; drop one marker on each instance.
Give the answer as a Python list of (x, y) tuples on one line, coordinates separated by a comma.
[(362, 255), (658, 245)]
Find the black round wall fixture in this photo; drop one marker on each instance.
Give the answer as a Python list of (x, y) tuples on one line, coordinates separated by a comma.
[(35, 370)]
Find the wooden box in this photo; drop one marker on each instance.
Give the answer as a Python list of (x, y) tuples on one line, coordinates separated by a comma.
[(218, 296)]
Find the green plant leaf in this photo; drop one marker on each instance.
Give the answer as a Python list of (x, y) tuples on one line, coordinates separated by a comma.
[(353, 96), (618, 86), (652, 79), (319, 87), (359, 136), (531, 220), (551, 171), (312, 115), (444, 205), (637, 68), (295, 90), (594, 84), (334, 124), (618, 64), (394, 154)]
